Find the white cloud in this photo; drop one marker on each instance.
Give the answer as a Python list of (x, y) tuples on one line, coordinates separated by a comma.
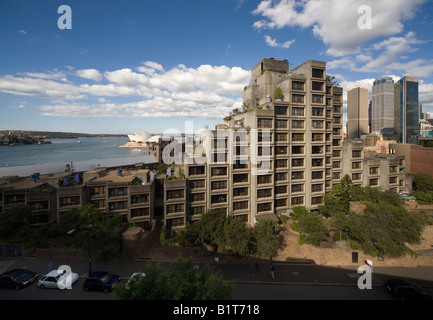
[(273, 42), (22, 31), (335, 22), (91, 74), (203, 92)]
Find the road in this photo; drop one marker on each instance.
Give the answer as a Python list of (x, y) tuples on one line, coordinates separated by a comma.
[(292, 282)]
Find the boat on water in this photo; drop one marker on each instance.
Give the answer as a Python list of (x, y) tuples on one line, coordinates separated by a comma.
[(78, 141), (136, 150)]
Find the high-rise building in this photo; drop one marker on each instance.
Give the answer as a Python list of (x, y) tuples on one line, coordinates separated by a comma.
[(406, 110), (382, 106), (357, 113)]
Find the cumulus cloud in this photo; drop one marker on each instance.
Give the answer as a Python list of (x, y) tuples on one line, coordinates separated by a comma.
[(91, 74), (273, 42), (203, 92), (335, 22)]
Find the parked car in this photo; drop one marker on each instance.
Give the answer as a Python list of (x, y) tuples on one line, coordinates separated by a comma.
[(17, 278), (134, 277), (101, 281), (402, 289), (53, 280)]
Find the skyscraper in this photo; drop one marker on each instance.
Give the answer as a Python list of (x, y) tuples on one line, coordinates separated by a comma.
[(382, 107), (406, 110), (357, 113)]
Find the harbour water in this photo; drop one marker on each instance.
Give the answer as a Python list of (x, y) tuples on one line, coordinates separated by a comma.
[(66, 150)]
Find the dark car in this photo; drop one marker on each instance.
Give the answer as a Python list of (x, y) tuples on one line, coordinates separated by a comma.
[(404, 290), (101, 281), (17, 278)]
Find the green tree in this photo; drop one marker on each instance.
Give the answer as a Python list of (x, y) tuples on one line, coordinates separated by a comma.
[(180, 282), (266, 242), (237, 237), (210, 227), (15, 224), (312, 228)]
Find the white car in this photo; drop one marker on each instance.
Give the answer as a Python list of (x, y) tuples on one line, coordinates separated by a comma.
[(136, 276), (54, 279)]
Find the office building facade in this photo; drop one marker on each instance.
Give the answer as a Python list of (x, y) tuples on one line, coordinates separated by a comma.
[(382, 104), (357, 113)]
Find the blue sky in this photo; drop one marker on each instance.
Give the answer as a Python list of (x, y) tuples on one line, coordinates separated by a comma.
[(131, 65)]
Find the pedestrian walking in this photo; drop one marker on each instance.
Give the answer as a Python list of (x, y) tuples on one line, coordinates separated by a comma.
[(256, 269), (271, 267)]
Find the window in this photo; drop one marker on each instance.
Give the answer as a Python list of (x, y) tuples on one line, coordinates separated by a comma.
[(336, 109), (297, 175), (356, 176), (281, 203), (297, 85), (281, 176), (297, 187), (316, 200), (356, 153), (175, 208), (297, 124), (121, 205), (219, 171), (280, 111), (139, 198), (297, 98), (317, 98), (241, 205), (317, 162), (240, 178), (238, 165), (281, 163), (296, 201), (97, 191), (264, 123), (117, 192), (374, 182), (297, 111), (261, 207), (281, 150), (175, 194), (356, 165), (217, 185), (317, 86), (298, 162), (317, 187), (317, 149), (336, 120), (69, 201), (196, 184), (316, 175), (281, 137), (140, 212), (196, 170), (298, 137), (317, 124), (220, 198), (281, 124), (297, 149), (336, 164), (336, 142), (315, 137), (264, 193), (240, 192), (264, 179), (336, 175), (392, 180), (393, 169), (374, 170), (196, 210), (317, 73), (280, 190), (317, 112)]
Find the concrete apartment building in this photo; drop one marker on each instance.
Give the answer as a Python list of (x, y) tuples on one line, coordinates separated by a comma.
[(382, 104), (127, 192), (357, 113), (368, 168), (297, 136)]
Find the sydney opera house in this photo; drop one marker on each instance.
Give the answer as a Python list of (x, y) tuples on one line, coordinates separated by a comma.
[(141, 137)]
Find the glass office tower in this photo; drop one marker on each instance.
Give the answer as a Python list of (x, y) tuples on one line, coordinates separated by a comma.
[(406, 110)]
